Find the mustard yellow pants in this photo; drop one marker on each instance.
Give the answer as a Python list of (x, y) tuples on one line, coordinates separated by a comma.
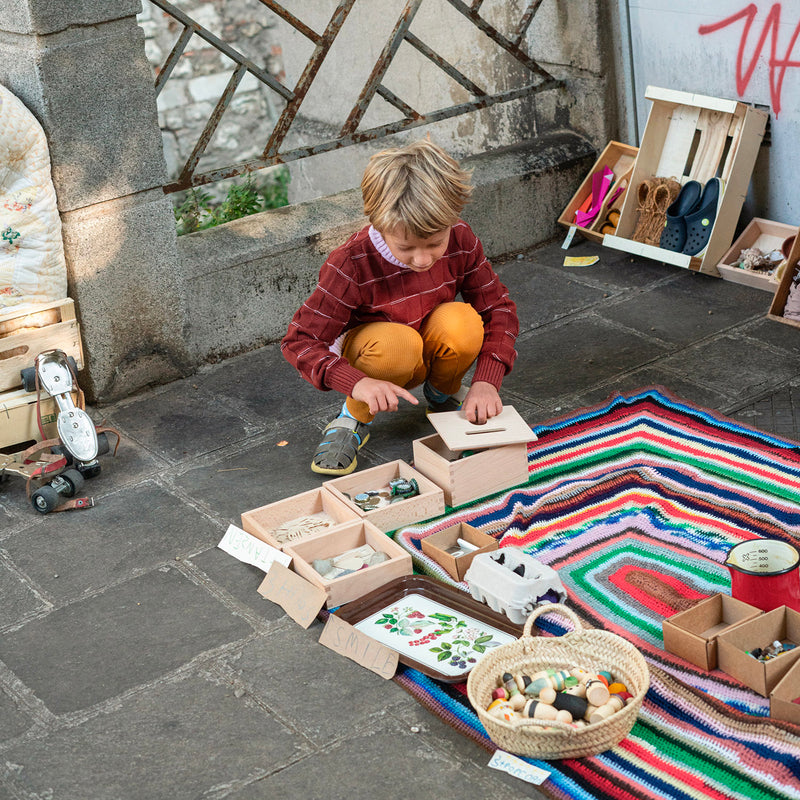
[(441, 352)]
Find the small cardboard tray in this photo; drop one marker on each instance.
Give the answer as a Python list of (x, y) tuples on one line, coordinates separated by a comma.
[(262, 522), (766, 236), (436, 545), (428, 503), (349, 587), (692, 634), (459, 434), (781, 623), (781, 700), (455, 602)]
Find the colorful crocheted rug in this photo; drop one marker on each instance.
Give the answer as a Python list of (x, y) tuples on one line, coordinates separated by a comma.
[(636, 503)]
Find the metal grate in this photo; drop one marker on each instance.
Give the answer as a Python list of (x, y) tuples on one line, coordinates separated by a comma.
[(537, 80)]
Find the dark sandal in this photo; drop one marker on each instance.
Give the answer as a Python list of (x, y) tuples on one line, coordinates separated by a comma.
[(336, 453), (673, 237), (701, 221)]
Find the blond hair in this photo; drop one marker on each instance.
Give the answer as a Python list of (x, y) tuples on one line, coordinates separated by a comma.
[(419, 188)]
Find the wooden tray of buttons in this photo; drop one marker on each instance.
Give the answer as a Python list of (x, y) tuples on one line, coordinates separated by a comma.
[(436, 629)]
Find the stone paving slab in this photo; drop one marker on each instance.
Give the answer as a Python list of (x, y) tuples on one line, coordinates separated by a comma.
[(181, 739), (86, 551), (99, 647)]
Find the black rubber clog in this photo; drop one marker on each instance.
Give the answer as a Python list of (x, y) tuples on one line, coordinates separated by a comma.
[(700, 222), (674, 235)]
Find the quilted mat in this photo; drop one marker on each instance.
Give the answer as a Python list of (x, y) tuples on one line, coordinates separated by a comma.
[(635, 503)]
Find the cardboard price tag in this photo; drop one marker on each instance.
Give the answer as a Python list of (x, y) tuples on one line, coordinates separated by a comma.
[(343, 638), (300, 599), (247, 548)]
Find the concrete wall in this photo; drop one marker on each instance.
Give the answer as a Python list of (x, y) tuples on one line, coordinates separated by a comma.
[(153, 307)]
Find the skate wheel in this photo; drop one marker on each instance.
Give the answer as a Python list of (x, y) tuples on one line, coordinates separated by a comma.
[(74, 479), (28, 376), (45, 499)]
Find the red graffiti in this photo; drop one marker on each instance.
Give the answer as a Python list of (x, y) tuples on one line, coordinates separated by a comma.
[(777, 66)]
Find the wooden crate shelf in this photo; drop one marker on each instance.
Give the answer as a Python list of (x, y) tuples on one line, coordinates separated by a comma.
[(693, 137)]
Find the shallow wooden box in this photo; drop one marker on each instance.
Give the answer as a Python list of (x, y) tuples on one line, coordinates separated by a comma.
[(619, 158), (260, 522), (466, 478), (26, 332), (693, 137), (428, 503), (339, 540), (18, 423), (782, 292), (766, 236)]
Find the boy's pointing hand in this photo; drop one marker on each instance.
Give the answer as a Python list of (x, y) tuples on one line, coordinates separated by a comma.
[(381, 395)]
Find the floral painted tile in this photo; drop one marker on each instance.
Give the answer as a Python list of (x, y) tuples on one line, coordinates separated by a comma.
[(433, 634)]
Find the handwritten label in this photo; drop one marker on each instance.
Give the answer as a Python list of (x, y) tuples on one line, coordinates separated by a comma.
[(569, 237), (343, 638), (505, 762), (300, 599), (247, 548)]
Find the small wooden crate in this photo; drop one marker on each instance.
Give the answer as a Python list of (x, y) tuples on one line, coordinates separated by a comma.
[(347, 537), (261, 522), (766, 236), (782, 292), (21, 338), (18, 423), (619, 158), (436, 545), (470, 477), (693, 137), (428, 503)]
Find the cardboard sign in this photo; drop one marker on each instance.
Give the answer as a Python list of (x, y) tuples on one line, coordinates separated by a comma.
[(506, 762), (247, 548), (300, 599), (343, 638)]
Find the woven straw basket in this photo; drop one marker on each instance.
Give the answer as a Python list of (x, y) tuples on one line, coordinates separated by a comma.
[(585, 648)]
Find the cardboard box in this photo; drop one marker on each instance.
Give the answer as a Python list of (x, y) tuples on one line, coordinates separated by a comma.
[(766, 236), (428, 503), (693, 137), (692, 634), (782, 624), (782, 292), (261, 522), (464, 478), (437, 544), (781, 697), (619, 158), (347, 537)]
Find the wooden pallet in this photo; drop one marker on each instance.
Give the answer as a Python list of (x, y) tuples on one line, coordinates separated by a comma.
[(23, 336), (694, 137)]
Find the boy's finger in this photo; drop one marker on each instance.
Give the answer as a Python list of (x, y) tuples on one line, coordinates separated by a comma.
[(406, 395)]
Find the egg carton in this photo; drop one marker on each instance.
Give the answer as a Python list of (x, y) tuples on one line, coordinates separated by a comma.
[(510, 581)]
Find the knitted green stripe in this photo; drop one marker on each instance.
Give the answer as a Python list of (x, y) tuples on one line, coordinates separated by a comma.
[(704, 762)]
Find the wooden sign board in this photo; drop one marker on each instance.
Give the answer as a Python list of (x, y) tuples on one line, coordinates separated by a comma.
[(458, 433)]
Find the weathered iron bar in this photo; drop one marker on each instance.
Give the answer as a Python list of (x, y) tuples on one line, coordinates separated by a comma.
[(525, 22), (445, 66), (297, 24), (498, 37), (309, 73), (364, 136), (211, 125), (172, 58), (393, 99), (381, 66), (476, 4), (233, 54)]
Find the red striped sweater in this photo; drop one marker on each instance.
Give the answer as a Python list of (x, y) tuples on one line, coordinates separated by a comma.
[(357, 285)]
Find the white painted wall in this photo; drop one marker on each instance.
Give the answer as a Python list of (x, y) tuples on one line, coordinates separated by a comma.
[(673, 45)]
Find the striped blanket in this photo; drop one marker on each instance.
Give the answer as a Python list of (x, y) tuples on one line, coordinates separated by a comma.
[(636, 503)]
